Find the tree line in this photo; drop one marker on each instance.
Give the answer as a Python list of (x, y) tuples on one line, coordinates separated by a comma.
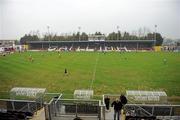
[(84, 37)]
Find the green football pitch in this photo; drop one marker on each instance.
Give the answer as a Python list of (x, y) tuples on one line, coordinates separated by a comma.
[(112, 72)]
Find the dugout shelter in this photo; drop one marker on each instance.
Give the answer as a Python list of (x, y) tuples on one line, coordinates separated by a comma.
[(138, 96)]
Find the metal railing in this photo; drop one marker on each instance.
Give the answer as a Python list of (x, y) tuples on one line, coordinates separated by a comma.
[(20, 105), (154, 110), (146, 110), (61, 108)]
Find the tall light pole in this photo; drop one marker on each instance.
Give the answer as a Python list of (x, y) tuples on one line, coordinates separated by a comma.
[(79, 28), (155, 26), (117, 32), (48, 31), (48, 35)]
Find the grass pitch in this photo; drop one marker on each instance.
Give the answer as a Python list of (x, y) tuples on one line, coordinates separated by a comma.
[(115, 72)]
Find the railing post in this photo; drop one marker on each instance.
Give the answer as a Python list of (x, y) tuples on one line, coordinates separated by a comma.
[(49, 111), (171, 111), (54, 106), (36, 108), (104, 112), (46, 111), (103, 108), (99, 110), (28, 107), (13, 106), (152, 110), (76, 110)]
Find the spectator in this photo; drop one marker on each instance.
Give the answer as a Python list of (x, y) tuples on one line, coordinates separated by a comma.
[(123, 99), (117, 108), (107, 101)]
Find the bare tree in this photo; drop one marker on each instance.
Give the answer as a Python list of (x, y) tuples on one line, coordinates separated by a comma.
[(140, 32)]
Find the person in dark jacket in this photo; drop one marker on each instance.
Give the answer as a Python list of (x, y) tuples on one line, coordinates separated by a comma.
[(117, 108), (65, 71), (107, 101)]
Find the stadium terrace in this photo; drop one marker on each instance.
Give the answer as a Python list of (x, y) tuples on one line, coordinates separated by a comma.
[(109, 45)]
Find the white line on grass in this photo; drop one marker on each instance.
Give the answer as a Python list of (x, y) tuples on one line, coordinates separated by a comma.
[(94, 71)]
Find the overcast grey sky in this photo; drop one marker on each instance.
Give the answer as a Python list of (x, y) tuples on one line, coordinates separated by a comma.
[(18, 17)]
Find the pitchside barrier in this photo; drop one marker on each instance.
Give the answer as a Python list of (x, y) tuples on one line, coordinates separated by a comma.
[(22, 103), (59, 108), (141, 110), (160, 111), (19, 106), (24, 99)]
